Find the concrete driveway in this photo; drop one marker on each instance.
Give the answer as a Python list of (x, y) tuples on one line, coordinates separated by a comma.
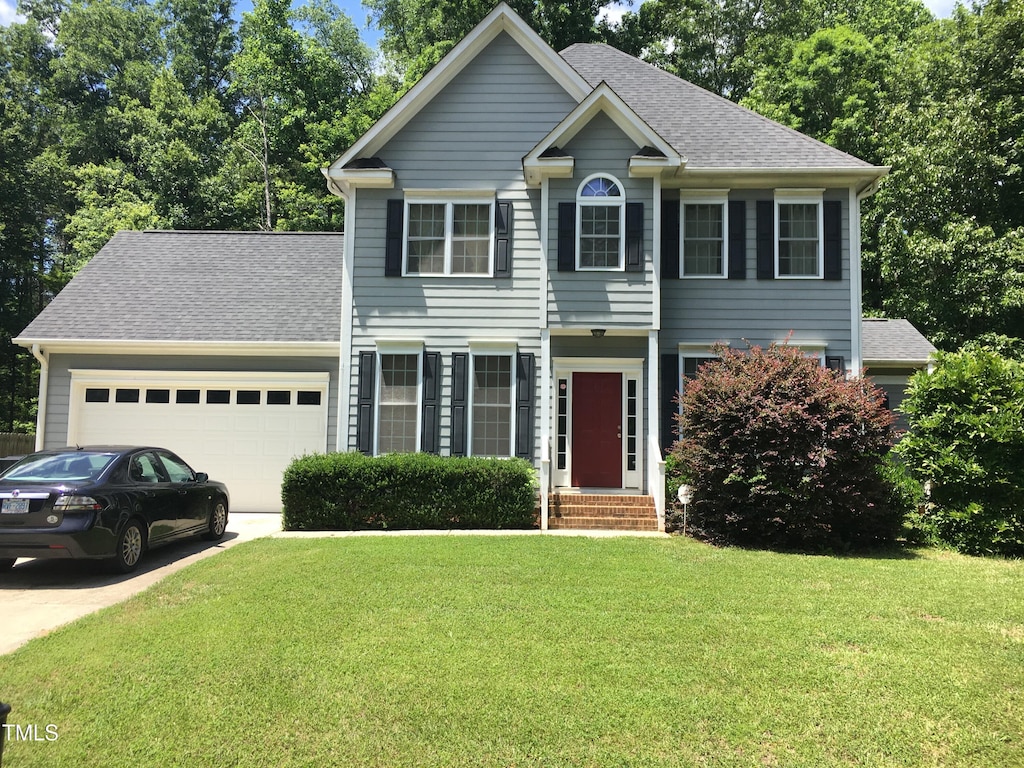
[(37, 596)]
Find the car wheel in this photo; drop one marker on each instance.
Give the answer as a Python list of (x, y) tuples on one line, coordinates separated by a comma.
[(6, 563), (218, 521), (130, 546)]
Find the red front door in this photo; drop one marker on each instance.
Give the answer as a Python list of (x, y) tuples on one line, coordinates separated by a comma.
[(597, 430)]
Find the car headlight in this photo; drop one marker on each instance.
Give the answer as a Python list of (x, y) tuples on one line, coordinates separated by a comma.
[(77, 504)]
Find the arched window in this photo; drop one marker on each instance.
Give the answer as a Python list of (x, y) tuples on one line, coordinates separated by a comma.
[(601, 207)]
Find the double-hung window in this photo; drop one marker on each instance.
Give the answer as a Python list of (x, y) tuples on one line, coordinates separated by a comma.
[(398, 403), (704, 225), (601, 208), (799, 249), (452, 237), (492, 393)]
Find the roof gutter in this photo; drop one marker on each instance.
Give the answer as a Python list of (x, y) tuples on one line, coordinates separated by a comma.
[(871, 187), (332, 185), (44, 381), (172, 347)]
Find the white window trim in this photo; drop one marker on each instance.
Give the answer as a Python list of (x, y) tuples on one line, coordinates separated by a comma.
[(606, 202), (691, 352), (398, 348), (457, 197), (492, 349), (801, 197), (704, 197)]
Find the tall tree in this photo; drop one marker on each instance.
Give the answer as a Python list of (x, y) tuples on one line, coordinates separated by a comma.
[(417, 33), (945, 234), (29, 202), (201, 40), (295, 77), (832, 88), (723, 45)]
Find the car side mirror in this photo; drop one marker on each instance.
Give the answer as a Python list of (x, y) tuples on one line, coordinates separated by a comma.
[(202, 477)]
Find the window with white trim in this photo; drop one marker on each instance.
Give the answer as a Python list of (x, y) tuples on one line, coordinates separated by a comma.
[(398, 403), (691, 363), (449, 237), (601, 209), (704, 223), (799, 250), (492, 400)]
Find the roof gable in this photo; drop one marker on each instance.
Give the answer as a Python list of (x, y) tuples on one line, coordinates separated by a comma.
[(653, 150), (501, 19)]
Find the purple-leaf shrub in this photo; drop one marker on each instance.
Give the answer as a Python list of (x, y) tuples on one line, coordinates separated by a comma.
[(786, 454)]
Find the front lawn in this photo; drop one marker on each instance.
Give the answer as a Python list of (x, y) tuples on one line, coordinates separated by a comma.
[(535, 651)]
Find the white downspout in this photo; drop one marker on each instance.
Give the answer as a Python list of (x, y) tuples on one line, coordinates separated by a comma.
[(345, 327), (545, 363), (44, 382), (655, 461), (857, 279), (856, 288)]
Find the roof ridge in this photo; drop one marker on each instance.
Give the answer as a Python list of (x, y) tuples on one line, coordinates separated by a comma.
[(230, 232)]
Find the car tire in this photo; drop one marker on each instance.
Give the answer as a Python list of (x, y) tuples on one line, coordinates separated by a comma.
[(131, 544), (6, 563), (218, 521)]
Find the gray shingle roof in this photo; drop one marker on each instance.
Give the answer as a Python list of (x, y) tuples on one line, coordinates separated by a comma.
[(711, 132), (202, 286), (893, 341)]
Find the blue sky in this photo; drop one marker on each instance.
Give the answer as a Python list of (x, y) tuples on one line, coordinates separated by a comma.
[(359, 14)]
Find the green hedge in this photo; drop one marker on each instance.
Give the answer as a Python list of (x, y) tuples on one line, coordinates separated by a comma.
[(350, 491)]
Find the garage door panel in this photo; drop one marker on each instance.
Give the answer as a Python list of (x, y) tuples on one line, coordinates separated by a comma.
[(245, 446)]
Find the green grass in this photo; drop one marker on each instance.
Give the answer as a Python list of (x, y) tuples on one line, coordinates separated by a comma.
[(536, 651)]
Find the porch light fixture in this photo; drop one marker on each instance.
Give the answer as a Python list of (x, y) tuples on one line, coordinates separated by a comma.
[(597, 333)]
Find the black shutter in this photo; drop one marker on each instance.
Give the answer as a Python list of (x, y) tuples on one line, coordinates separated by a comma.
[(502, 235), (670, 239), (525, 382), (567, 237), (669, 408), (430, 442), (634, 237), (835, 363), (393, 238), (460, 382), (765, 240), (833, 213), (365, 395), (737, 239)]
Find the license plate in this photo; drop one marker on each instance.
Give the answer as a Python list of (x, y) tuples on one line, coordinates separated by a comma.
[(14, 507)]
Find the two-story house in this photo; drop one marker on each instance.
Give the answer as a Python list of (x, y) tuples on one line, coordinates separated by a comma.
[(539, 247)]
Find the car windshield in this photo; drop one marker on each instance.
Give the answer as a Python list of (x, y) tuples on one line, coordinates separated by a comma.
[(71, 467)]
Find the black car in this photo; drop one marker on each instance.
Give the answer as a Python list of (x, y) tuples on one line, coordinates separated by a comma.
[(105, 503)]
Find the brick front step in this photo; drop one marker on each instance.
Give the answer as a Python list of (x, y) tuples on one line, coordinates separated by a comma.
[(602, 512)]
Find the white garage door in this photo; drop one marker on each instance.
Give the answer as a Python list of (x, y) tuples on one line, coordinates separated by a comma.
[(242, 429)]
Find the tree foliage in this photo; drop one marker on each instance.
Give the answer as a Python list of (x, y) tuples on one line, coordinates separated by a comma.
[(784, 453), (128, 114), (417, 33), (966, 439)]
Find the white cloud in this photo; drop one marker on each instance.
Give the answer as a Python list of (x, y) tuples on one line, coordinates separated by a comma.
[(942, 9), (612, 13), (9, 13)]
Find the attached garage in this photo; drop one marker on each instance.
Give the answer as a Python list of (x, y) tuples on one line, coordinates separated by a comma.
[(241, 428), (220, 346)]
